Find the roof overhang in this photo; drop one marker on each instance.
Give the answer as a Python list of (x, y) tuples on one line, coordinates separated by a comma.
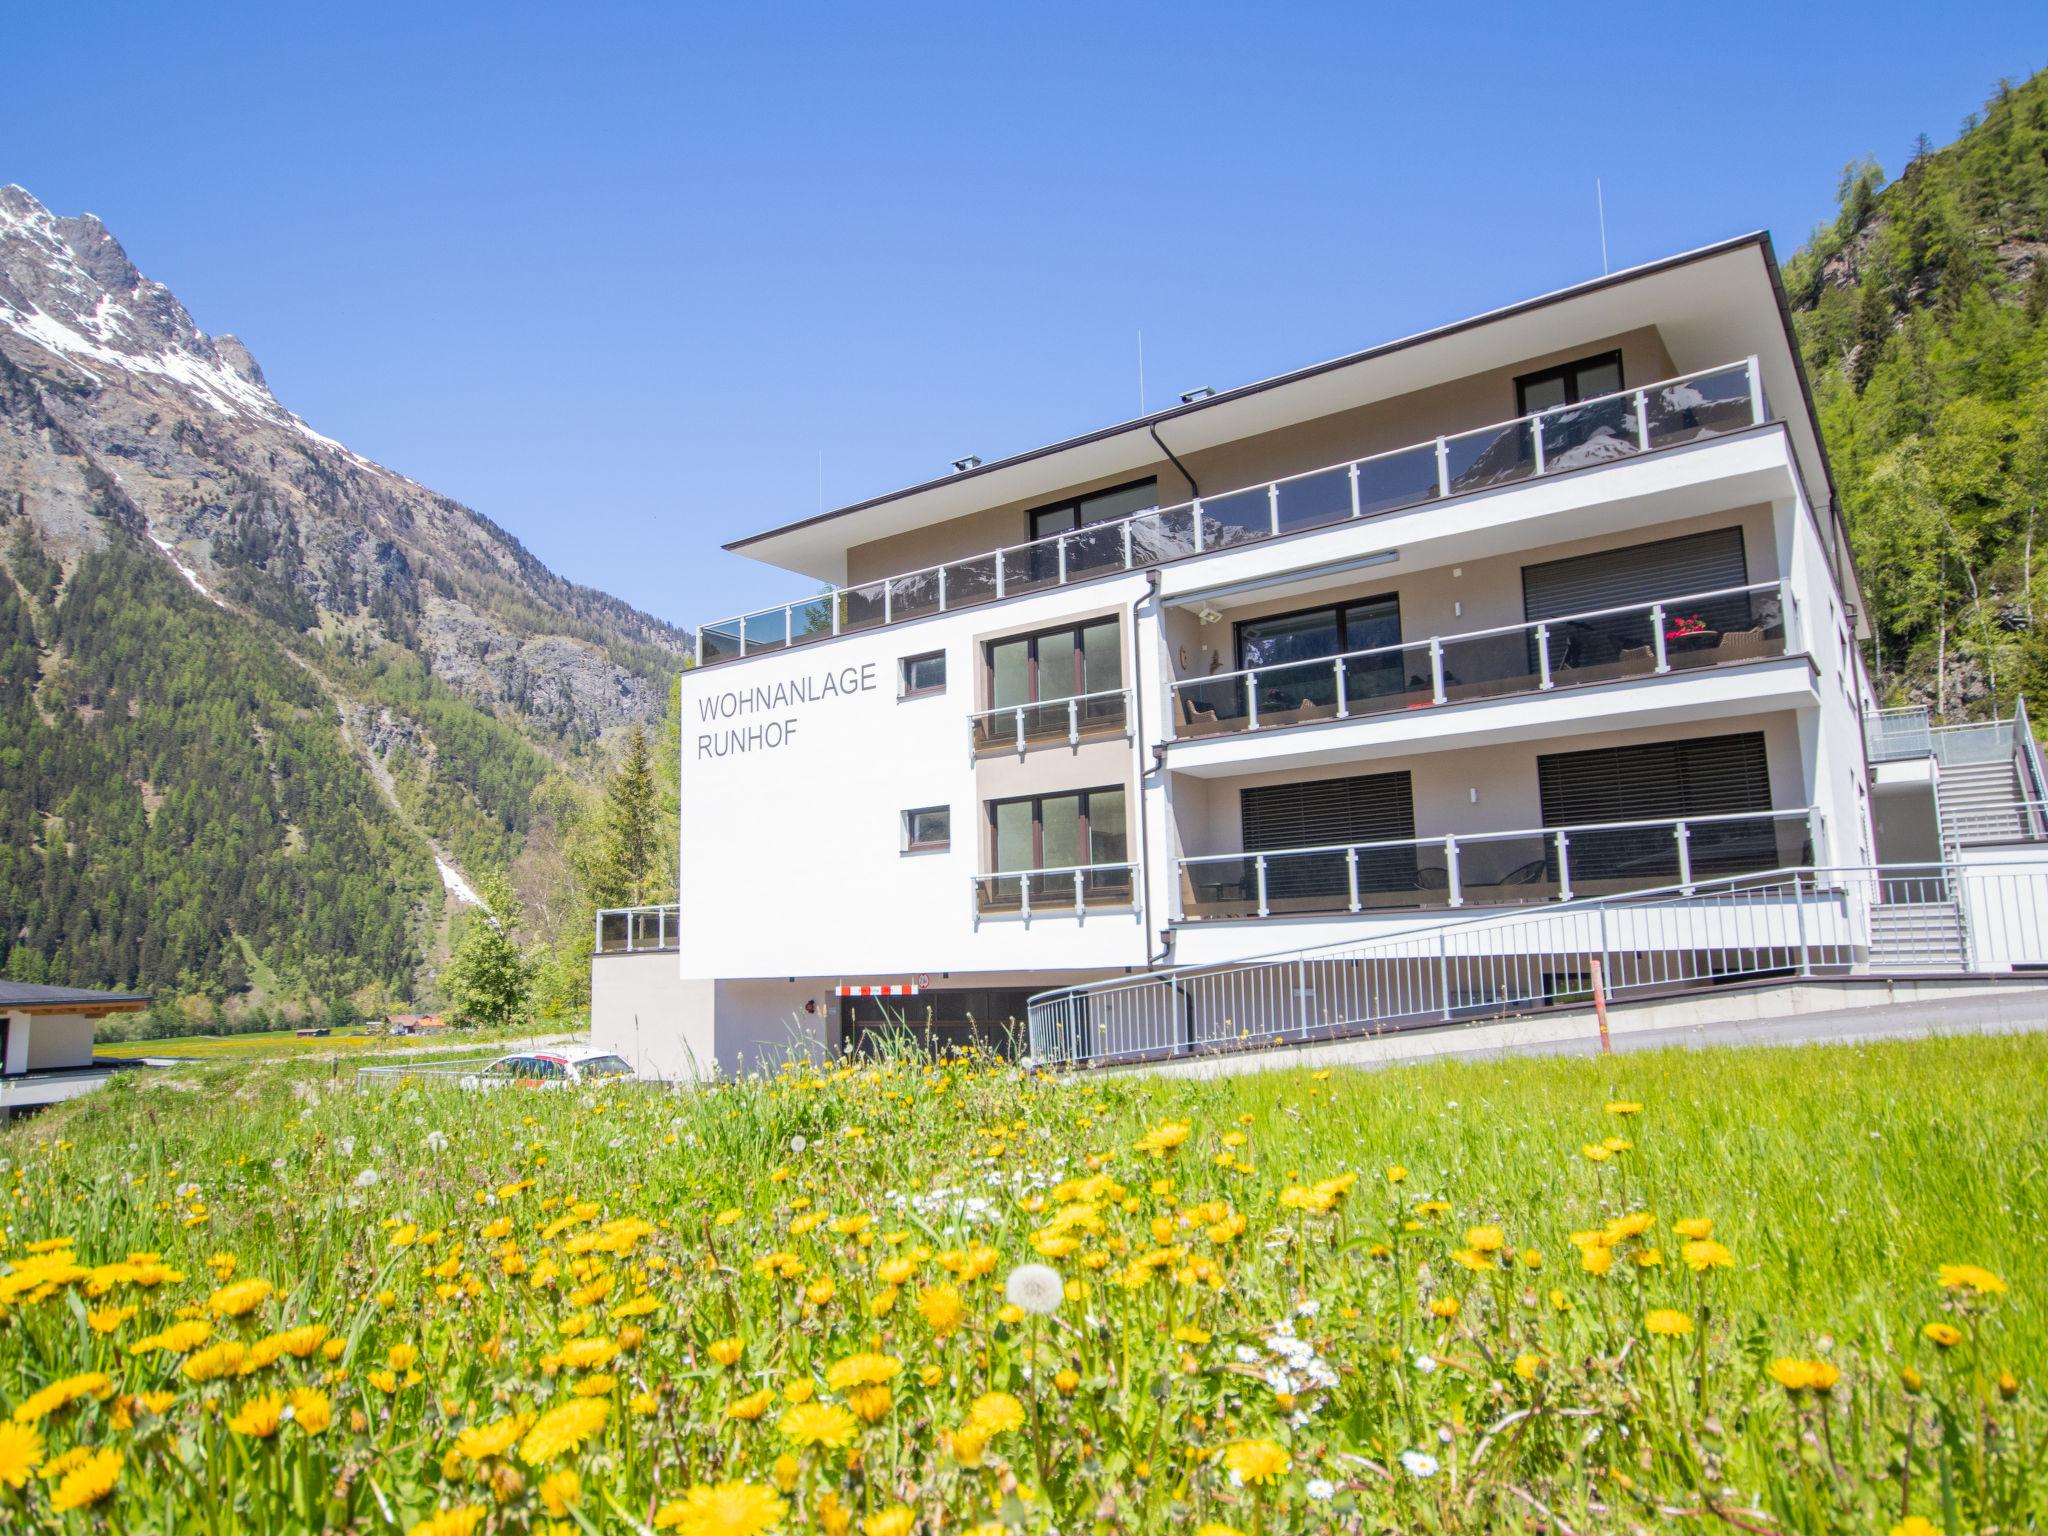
[(1711, 306)]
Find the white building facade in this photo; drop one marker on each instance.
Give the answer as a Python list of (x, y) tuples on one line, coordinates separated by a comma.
[(1550, 606)]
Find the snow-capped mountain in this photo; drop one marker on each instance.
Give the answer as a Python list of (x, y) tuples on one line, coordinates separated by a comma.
[(263, 513)]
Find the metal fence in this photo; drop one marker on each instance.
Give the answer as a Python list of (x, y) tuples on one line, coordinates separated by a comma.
[(1788, 922)]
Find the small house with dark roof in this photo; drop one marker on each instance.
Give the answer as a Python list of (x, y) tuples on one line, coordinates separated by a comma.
[(46, 1042)]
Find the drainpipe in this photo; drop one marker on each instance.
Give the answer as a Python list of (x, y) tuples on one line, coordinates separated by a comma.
[(1151, 593)]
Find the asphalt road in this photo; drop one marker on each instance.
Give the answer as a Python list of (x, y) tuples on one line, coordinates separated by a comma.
[(1991, 1013)]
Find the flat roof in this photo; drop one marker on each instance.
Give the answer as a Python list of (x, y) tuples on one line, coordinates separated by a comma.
[(20, 994), (816, 545)]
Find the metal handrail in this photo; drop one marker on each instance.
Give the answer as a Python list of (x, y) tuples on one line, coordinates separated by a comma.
[(1660, 639), (1559, 838), (1797, 921), (1055, 548), (1024, 877), (1482, 634), (1073, 703)]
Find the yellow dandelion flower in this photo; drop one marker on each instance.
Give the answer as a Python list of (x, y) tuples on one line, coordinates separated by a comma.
[(259, 1417), (862, 1370), (726, 1509), (561, 1492), (21, 1452), (1972, 1277), (239, 1299), (1947, 1335), (311, 1410), (1703, 1253), (1667, 1322), (482, 1441), (818, 1424), (941, 1308), (451, 1522), (1163, 1139), (1804, 1375), (88, 1482), (896, 1520), (1256, 1462), (995, 1413), (562, 1429)]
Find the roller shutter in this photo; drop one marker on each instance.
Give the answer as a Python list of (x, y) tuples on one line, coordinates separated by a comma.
[(1705, 776), (1369, 808), (1366, 808), (1662, 780), (1641, 573)]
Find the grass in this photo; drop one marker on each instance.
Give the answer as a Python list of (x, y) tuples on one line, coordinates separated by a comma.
[(1416, 1299), (284, 1044)]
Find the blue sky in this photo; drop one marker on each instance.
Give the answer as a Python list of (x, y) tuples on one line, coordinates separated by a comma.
[(634, 280)]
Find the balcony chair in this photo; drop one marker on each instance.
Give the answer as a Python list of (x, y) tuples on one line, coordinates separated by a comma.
[(1741, 645)]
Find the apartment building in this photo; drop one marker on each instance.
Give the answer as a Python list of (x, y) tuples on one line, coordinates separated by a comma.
[(1550, 604)]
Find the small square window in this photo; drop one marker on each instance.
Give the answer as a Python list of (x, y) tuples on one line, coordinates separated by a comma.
[(928, 829), (922, 675)]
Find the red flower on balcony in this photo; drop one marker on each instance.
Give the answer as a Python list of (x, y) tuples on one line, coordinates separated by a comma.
[(1685, 624)]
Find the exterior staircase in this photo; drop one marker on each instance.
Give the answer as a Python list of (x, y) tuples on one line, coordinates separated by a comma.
[(1981, 803), (1917, 935)]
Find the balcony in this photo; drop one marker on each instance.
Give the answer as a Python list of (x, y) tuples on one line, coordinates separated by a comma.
[(638, 930), (1706, 629), (1082, 717), (1494, 868), (1708, 404), (1052, 892)]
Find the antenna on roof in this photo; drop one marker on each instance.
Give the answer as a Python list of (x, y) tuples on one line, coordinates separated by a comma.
[(1600, 198)]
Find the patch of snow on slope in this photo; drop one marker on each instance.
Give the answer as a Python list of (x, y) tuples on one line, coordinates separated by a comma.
[(459, 888), (186, 571)]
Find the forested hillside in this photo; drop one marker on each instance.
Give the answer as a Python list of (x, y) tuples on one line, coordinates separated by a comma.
[(1923, 315), (177, 791), (270, 714)]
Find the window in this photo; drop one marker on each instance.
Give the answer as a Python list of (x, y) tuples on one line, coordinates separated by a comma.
[(928, 830), (1058, 831), (1312, 633), (1095, 507), (1568, 384), (921, 675), (1058, 664), (1364, 625)]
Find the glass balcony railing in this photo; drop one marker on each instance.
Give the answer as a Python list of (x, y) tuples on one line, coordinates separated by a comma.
[(638, 930), (1592, 432), (1018, 727), (1073, 889), (1677, 634), (1496, 868)]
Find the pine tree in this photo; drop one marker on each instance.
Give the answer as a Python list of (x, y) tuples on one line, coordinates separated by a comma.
[(625, 872)]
